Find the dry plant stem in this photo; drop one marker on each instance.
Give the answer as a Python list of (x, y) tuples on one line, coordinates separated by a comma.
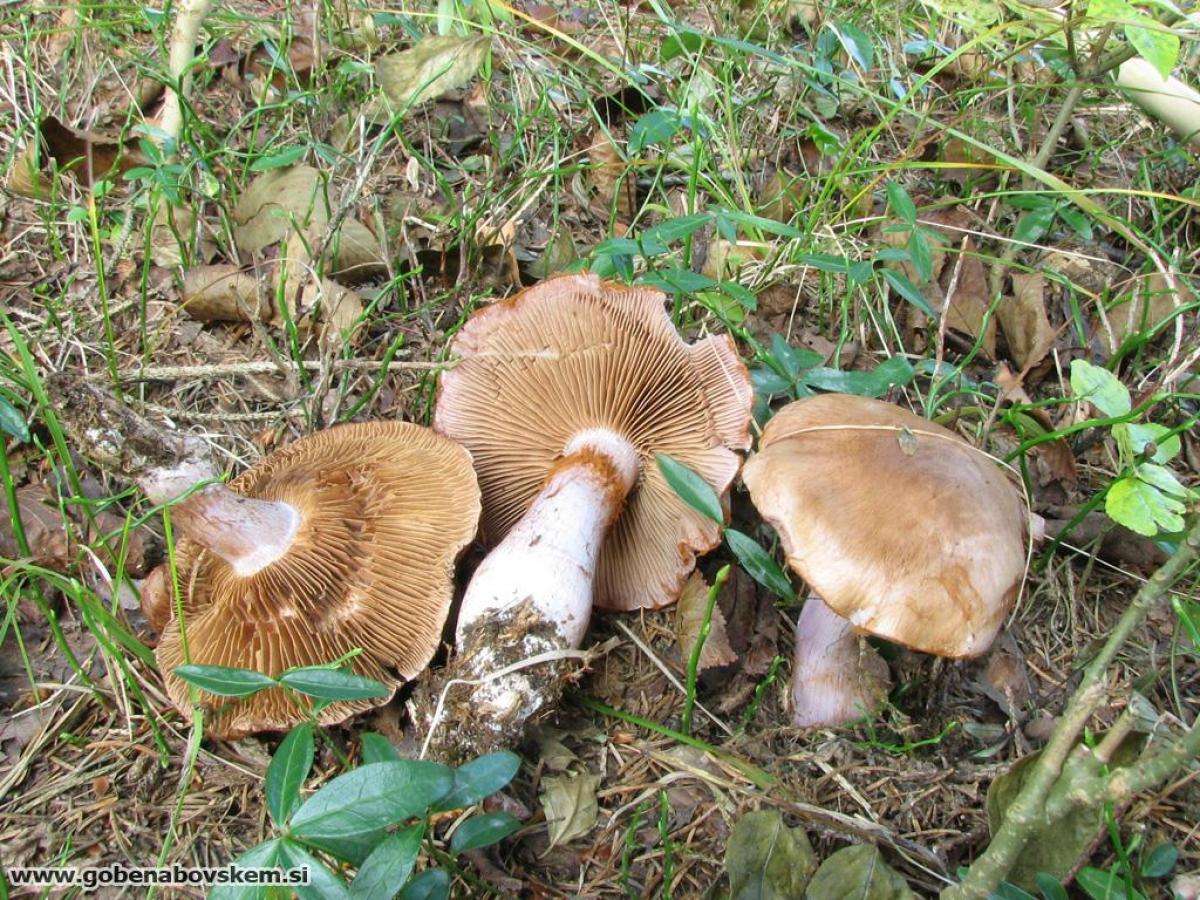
[(188, 17), (1030, 807)]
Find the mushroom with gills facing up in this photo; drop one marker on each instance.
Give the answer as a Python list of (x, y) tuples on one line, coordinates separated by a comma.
[(343, 539), (564, 394), (901, 528)]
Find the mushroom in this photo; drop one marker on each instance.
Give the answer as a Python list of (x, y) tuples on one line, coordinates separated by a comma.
[(564, 394), (341, 540), (902, 529)]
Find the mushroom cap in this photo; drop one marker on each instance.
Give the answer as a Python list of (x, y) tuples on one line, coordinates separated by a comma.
[(900, 525), (386, 508), (575, 353)]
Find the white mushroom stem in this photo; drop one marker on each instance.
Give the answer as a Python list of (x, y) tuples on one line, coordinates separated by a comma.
[(1175, 104), (189, 14), (548, 559), (248, 534), (836, 676)]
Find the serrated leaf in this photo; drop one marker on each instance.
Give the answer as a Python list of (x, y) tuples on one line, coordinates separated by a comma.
[(224, 681), (432, 884), (12, 422), (385, 871), (766, 860), (759, 564), (1099, 387), (377, 748), (691, 488), (478, 779), (286, 774), (1142, 507), (348, 815), (1165, 448), (1163, 479), (483, 830), (333, 684), (433, 66), (857, 872)]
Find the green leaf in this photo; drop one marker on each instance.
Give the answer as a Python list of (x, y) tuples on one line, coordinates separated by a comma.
[(876, 383), (1166, 445), (285, 775), (1099, 387), (1033, 224), (1160, 861), (277, 160), (901, 203), (676, 280), (12, 422), (483, 830), (922, 256), (859, 872), (322, 883), (1157, 44), (909, 291), (654, 127), (377, 748), (1100, 885), (677, 228), (267, 855), (384, 872), (225, 681), (769, 226), (1189, 617), (1163, 479), (691, 488), (766, 860), (1006, 890), (1050, 887), (1142, 507), (759, 564), (333, 684), (478, 779), (432, 884), (348, 815)]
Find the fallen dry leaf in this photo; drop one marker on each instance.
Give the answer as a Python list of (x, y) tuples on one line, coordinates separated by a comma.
[(90, 156), (689, 618), (1023, 320), (1143, 303), (224, 294), (609, 177), (966, 283), (569, 802), (432, 67), (278, 202)]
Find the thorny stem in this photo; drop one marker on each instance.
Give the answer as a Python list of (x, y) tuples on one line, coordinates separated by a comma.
[(1030, 807)]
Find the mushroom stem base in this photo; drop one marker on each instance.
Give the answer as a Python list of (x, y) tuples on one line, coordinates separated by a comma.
[(248, 534), (470, 708), (836, 677)]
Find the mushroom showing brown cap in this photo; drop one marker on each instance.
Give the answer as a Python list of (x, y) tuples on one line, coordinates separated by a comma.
[(344, 539), (564, 394), (900, 526)]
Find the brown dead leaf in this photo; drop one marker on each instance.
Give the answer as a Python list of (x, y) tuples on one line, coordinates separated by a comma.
[(277, 203), (1024, 321), (569, 802), (1144, 302), (1005, 677), (353, 255), (689, 618), (89, 155), (224, 294), (968, 303), (432, 67), (609, 177)]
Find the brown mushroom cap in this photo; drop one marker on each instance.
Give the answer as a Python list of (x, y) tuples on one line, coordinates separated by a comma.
[(897, 523), (386, 508), (574, 353)]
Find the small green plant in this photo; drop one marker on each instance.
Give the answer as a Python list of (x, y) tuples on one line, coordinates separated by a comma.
[(1145, 497), (374, 817)]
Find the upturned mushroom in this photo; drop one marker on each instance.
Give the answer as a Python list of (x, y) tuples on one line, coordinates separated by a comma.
[(901, 528), (564, 394), (342, 540)]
